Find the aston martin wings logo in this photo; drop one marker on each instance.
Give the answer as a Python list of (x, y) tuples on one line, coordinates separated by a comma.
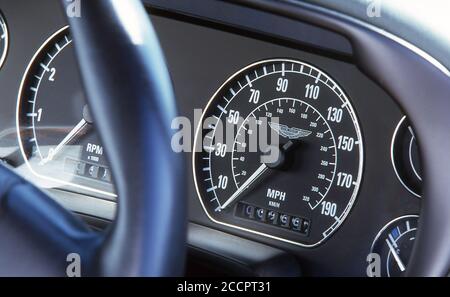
[(290, 133)]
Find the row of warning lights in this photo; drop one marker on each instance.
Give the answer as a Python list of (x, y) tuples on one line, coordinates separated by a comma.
[(274, 218)]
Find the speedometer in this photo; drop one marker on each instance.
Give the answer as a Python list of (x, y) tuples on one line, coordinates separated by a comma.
[(279, 153)]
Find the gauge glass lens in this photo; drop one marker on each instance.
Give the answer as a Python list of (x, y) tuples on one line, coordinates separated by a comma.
[(4, 39), (394, 244), (279, 153), (56, 131)]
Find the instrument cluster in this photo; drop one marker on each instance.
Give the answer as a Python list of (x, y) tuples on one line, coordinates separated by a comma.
[(294, 147)]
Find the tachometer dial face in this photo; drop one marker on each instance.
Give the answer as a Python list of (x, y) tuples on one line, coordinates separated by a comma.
[(56, 131), (279, 153), (4, 39), (394, 244)]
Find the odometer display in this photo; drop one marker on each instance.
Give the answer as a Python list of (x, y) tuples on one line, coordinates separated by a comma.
[(305, 193)]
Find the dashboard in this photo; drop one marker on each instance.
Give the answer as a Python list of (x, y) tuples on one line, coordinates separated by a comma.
[(341, 181)]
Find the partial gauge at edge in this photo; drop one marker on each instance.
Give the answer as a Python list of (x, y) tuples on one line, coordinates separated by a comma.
[(4, 40), (56, 131), (305, 195), (405, 157)]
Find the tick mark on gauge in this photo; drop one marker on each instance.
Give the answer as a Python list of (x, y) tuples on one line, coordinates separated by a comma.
[(249, 81), (45, 67), (223, 110), (211, 189)]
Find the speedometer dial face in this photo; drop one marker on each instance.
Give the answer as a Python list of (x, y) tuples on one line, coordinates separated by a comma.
[(279, 153), (56, 132), (4, 39)]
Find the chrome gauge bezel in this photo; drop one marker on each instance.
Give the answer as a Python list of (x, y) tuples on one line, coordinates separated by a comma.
[(4, 26), (58, 183), (387, 225), (394, 137), (355, 120)]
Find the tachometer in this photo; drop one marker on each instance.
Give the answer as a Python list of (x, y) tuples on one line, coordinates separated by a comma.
[(56, 132), (279, 153)]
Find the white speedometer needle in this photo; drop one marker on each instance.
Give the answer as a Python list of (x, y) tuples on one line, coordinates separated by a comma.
[(74, 132), (396, 256), (245, 185)]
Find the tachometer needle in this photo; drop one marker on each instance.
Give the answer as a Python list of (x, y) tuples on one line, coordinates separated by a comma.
[(396, 256), (74, 132), (254, 177)]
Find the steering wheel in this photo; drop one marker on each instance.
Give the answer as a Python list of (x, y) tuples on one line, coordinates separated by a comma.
[(133, 105)]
